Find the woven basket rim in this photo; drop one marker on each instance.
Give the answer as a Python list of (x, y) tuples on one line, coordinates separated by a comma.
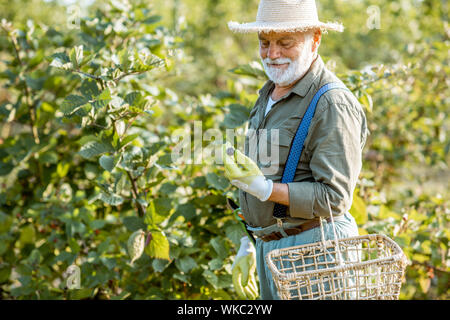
[(398, 256)]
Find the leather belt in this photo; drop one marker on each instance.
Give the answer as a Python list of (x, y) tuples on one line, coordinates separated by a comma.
[(293, 231)]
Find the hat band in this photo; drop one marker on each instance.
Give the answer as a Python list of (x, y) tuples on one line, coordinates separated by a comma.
[(290, 21)]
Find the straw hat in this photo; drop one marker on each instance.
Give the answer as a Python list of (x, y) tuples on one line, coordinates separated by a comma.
[(285, 15)]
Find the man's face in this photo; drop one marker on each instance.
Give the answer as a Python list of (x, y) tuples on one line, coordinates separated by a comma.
[(286, 56)]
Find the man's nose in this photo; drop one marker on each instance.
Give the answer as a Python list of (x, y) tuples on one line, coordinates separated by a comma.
[(274, 51)]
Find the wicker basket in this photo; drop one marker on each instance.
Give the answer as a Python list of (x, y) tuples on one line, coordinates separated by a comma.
[(366, 267)]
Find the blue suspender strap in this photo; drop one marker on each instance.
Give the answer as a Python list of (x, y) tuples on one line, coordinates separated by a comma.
[(297, 144)]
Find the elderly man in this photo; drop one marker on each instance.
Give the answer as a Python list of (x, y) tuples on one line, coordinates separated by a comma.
[(281, 214)]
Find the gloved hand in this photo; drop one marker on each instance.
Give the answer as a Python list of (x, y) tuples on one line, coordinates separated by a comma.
[(244, 173), (243, 271)]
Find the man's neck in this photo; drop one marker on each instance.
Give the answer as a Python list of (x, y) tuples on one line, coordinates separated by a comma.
[(280, 91)]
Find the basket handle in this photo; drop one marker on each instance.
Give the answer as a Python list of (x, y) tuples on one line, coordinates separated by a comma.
[(337, 247)]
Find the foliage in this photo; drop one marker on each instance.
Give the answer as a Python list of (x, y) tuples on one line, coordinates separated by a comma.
[(92, 165)]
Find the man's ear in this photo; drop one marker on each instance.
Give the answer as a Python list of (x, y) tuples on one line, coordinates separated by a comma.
[(317, 38)]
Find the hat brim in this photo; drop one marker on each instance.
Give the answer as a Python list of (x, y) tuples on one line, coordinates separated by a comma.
[(282, 27)]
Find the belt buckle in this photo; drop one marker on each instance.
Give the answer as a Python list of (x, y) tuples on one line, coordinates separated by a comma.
[(281, 229), (279, 222)]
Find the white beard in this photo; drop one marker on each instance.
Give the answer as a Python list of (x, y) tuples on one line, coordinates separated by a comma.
[(296, 68)]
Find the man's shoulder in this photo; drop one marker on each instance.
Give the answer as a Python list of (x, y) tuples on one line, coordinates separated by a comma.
[(337, 98)]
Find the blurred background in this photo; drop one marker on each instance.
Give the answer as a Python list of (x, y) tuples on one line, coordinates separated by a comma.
[(61, 205)]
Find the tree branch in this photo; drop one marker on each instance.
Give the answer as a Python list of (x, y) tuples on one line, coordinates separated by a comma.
[(123, 75), (96, 78), (134, 191), (427, 265), (27, 93)]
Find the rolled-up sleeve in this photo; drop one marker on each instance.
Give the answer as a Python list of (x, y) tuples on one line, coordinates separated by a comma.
[(337, 138)]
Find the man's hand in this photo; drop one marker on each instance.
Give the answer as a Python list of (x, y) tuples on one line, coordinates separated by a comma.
[(243, 271), (244, 173)]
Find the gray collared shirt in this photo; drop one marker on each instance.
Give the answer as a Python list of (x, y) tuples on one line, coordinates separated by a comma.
[(332, 156)]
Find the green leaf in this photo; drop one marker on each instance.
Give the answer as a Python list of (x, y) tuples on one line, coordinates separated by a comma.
[(5, 222), (165, 161), (109, 162), (236, 117), (235, 232), (79, 294), (216, 181), (167, 189), (159, 265), (425, 284), (88, 56), (416, 216), (185, 264), (215, 264), (72, 103), (163, 206), (27, 235), (144, 61), (187, 210), (220, 247), (94, 148), (152, 19), (212, 278), (60, 60), (199, 183), (97, 224), (182, 277), (61, 56), (5, 273), (386, 213), (6, 168), (35, 83), (158, 246), (133, 223), (124, 59), (367, 102), (111, 199), (89, 89), (128, 139), (133, 97), (158, 210), (212, 199), (62, 169), (402, 240), (253, 69), (91, 171), (102, 100), (150, 215), (85, 139), (358, 209), (48, 157), (76, 56), (122, 296), (35, 257)]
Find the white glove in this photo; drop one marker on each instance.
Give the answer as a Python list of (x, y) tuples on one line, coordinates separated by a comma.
[(245, 174), (260, 187), (243, 271), (245, 249)]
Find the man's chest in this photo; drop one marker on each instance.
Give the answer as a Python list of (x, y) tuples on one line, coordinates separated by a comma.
[(269, 137)]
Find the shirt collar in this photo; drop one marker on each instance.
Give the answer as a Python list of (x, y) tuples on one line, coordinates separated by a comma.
[(302, 87)]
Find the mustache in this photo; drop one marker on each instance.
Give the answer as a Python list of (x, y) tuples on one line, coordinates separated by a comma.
[(277, 61)]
